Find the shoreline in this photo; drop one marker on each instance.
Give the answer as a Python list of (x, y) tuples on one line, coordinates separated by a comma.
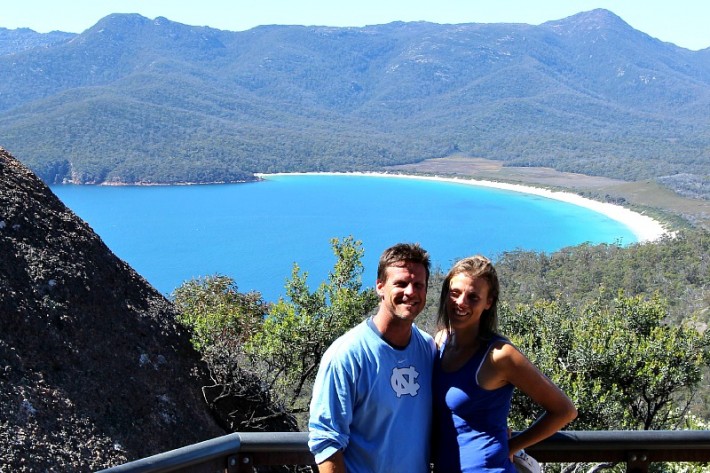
[(645, 228)]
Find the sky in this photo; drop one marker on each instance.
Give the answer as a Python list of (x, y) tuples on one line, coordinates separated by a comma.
[(681, 22)]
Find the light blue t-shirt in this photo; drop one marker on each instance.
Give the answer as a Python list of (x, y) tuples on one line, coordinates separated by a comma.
[(373, 402)]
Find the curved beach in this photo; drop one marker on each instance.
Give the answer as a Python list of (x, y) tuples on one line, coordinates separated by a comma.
[(642, 226)]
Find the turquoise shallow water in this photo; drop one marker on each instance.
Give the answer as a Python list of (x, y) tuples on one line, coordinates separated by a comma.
[(255, 232)]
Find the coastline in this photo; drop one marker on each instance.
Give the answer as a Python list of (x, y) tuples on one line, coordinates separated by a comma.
[(645, 228)]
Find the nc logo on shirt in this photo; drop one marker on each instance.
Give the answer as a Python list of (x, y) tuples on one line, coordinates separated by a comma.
[(404, 381)]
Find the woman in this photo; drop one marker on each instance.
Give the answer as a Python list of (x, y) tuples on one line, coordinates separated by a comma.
[(475, 373)]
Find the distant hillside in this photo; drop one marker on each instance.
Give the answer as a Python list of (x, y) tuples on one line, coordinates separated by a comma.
[(22, 39), (93, 370), (139, 100)]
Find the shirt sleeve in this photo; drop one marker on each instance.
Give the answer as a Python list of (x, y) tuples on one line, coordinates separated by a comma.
[(331, 410)]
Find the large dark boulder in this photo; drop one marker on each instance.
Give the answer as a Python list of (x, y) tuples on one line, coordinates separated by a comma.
[(94, 370)]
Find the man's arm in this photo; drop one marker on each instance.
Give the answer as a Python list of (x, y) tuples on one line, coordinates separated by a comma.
[(334, 464)]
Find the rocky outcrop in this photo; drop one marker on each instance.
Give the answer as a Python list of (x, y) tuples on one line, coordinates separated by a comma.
[(93, 369)]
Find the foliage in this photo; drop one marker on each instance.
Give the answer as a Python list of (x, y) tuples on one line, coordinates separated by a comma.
[(220, 319), (298, 330), (624, 368), (212, 308), (274, 350), (238, 395), (677, 268), (688, 185)]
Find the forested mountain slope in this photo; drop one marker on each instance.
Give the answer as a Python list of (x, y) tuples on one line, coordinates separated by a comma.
[(139, 100)]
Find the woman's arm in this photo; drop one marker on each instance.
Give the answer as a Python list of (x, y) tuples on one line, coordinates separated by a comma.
[(515, 368)]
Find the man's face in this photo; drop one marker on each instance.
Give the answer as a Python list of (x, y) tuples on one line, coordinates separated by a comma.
[(403, 292)]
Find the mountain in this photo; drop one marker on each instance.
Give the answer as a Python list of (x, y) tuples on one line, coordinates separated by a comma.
[(133, 100), (22, 39), (93, 369)]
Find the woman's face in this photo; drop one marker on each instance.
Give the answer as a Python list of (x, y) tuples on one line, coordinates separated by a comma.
[(468, 298)]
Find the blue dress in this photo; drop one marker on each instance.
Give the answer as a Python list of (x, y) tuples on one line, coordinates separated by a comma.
[(470, 425)]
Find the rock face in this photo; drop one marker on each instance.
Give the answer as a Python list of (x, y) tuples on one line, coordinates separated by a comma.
[(94, 371)]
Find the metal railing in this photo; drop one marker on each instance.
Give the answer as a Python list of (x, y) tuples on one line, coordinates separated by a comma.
[(241, 452)]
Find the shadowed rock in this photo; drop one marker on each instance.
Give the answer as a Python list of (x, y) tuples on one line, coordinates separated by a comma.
[(94, 370)]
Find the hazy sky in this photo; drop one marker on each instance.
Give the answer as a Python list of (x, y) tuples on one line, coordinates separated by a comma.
[(682, 22)]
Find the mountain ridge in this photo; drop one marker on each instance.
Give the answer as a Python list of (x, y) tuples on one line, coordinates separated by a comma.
[(585, 94)]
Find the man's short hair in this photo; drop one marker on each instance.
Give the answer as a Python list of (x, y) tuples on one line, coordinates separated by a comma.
[(401, 253)]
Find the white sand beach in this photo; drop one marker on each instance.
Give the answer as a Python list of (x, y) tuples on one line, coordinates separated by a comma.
[(642, 226)]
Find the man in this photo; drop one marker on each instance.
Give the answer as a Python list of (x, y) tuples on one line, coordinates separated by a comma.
[(371, 406)]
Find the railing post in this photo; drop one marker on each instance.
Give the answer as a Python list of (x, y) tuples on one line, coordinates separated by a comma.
[(637, 462)]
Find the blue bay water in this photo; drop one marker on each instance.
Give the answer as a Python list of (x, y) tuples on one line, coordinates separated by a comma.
[(254, 232)]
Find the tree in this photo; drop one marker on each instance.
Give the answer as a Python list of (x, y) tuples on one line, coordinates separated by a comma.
[(677, 267), (220, 320), (262, 357), (298, 330), (213, 307), (621, 365)]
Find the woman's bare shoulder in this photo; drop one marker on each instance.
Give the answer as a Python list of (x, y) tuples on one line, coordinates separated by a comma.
[(504, 354)]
